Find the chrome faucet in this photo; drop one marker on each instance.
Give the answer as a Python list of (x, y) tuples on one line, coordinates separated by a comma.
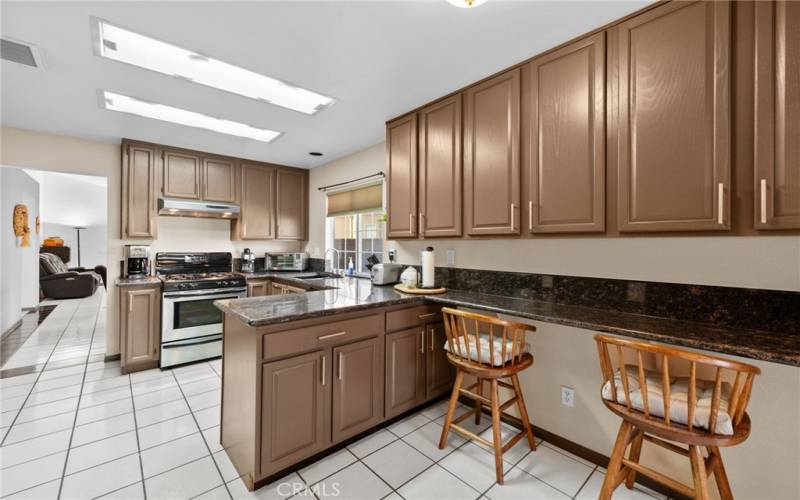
[(334, 269)]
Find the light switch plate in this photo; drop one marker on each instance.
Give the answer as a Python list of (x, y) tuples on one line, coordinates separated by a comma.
[(567, 396), (451, 257)]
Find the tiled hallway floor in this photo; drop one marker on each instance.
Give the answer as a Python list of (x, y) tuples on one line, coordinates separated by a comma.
[(76, 428)]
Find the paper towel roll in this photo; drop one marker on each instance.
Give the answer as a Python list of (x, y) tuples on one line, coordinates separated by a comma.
[(427, 267)]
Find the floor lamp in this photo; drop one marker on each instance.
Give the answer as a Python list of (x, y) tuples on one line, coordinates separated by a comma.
[(78, 230)]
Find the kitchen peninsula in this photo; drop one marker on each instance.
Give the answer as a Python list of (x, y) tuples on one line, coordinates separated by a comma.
[(303, 373)]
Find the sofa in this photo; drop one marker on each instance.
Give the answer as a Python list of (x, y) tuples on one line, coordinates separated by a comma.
[(57, 281)]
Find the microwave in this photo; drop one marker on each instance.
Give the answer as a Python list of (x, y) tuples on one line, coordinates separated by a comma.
[(290, 261)]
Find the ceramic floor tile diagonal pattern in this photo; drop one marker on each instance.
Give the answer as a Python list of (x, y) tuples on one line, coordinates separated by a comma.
[(155, 435)]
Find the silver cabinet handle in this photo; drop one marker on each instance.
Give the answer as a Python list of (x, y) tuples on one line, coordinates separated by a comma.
[(341, 361), (720, 202), (431, 339), (763, 201), (530, 215), (411, 223), (429, 315), (512, 217), (323, 370), (422, 341), (130, 303), (331, 335), (421, 224)]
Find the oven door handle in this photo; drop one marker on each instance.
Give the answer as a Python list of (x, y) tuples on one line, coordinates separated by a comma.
[(215, 291), (173, 345)]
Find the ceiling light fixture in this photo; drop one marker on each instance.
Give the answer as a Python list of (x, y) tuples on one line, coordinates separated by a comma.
[(466, 4), (129, 47), (127, 104)]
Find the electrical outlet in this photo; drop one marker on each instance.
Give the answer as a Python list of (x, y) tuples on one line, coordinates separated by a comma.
[(451, 257), (567, 396)]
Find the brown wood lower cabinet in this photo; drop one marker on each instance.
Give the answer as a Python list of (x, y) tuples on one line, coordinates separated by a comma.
[(439, 373), (405, 371), (357, 387), (295, 407), (258, 288), (140, 327)]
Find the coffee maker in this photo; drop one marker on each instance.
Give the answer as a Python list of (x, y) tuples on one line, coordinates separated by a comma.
[(248, 261), (137, 261)]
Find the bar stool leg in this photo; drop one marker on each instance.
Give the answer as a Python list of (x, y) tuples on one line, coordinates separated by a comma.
[(451, 408), (497, 440), (699, 472), (479, 403), (720, 475), (615, 463), (636, 451), (523, 412)]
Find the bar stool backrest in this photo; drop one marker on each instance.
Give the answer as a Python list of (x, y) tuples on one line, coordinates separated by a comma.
[(469, 332), (614, 351)]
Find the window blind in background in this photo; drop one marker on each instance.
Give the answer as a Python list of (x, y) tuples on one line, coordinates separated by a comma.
[(352, 201)]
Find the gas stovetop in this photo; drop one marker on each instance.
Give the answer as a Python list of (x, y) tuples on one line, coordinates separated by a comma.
[(197, 271)]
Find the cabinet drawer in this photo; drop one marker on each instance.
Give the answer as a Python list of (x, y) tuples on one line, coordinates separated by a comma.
[(413, 316), (330, 333)]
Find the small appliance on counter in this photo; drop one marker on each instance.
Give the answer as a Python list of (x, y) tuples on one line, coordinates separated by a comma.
[(385, 274), (136, 261), (290, 261), (248, 261), (426, 262)]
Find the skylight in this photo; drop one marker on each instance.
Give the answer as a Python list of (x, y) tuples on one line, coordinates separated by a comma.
[(126, 104), (126, 46)]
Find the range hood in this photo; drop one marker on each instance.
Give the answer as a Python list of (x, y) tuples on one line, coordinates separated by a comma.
[(191, 208)]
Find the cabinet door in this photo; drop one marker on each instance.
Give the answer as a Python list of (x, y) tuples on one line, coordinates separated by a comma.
[(439, 373), (567, 139), (257, 217), (295, 409), (491, 156), (258, 288), (440, 168), (405, 370), (292, 196), (181, 175), (674, 118), (219, 180), (401, 175), (139, 196), (777, 114), (357, 402), (141, 323)]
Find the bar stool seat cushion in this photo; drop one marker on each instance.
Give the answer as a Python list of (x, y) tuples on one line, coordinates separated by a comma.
[(678, 401), (485, 351)]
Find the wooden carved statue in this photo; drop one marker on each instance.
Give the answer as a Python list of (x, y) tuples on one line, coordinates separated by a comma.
[(21, 227)]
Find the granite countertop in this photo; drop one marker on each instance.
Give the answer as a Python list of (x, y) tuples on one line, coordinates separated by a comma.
[(147, 280), (354, 294)]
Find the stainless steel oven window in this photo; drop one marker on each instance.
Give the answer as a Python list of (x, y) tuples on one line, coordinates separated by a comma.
[(195, 313)]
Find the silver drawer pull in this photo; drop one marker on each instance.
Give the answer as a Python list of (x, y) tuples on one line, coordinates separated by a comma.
[(430, 315), (330, 336)]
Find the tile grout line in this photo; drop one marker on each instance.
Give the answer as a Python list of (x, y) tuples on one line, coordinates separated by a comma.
[(138, 444), (202, 436), (14, 421), (583, 485), (75, 419)]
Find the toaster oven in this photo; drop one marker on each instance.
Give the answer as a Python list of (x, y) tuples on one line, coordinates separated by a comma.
[(290, 261)]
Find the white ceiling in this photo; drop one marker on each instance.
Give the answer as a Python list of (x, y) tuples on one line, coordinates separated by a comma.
[(378, 59)]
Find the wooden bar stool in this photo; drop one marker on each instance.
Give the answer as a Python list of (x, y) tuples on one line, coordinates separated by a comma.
[(658, 407), (489, 349)]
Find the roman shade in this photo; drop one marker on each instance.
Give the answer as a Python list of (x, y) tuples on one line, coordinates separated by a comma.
[(367, 198)]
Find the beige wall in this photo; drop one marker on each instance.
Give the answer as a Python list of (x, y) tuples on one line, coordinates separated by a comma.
[(35, 150), (764, 467)]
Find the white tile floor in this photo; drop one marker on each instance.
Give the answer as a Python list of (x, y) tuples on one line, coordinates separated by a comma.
[(82, 430)]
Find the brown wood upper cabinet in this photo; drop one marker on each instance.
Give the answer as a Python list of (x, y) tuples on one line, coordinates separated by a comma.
[(401, 175), (777, 115), (181, 175), (440, 168), (140, 327), (674, 132), (220, 180), (292, 204), (357, 387), (139, 192), (257, 218), (491, 156), (566, 138)]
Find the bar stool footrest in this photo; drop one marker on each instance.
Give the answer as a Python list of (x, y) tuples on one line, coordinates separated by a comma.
[(659, 477)]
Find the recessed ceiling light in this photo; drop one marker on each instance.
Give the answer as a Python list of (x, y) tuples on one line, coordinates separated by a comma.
[(129, 47), (315, 153), (466, 4), (127, 104)]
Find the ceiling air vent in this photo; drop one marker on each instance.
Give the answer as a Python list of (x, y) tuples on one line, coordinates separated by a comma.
[(20, 52)]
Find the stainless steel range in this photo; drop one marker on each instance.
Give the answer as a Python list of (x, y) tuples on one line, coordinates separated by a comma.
[(191, 327)]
